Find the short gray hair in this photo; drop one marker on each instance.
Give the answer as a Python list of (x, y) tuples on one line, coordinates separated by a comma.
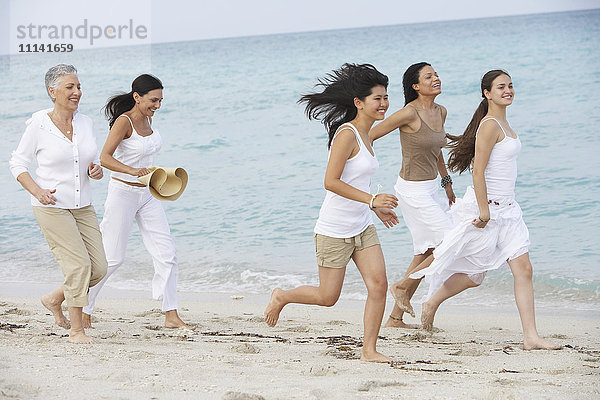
[(55, 73)]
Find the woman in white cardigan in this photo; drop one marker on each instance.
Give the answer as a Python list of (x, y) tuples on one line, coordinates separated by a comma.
[(63, 143)]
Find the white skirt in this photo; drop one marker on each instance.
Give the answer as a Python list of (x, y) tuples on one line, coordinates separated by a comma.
[(424, 212), (473, 251)]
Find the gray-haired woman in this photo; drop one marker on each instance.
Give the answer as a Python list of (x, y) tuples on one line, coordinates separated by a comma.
[(63, 143)]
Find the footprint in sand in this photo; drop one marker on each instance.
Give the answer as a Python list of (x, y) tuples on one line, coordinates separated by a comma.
[(338, 322), (322, 370), (245, 348), (16, 311), (365, 387), (297, 328), (241, 396), (151, 313), (153, 327), (469, 353)]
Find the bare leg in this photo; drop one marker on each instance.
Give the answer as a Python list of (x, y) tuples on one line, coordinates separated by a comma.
[(371, 265), (77, 334), (172, 320), (405, 288), (453, 286), (53, 301), (522, 272), (326, 294), (87, 321)]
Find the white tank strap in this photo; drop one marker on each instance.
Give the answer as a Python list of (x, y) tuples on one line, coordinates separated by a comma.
[(127, 116), (487, 119)]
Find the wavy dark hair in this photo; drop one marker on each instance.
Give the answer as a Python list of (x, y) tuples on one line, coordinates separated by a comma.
[(334, 105), (123, 102), (410, 78), (462, 148)]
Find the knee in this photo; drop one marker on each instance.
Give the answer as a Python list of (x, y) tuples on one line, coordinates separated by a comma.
[(523, 271), (98, 272), (378, 287), (476, 279), (329, 299)]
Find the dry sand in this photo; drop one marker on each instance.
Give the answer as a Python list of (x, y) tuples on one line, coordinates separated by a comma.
[(311, 354)]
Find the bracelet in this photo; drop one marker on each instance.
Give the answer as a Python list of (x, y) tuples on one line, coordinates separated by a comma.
[(446, 180), (483, 220), (372, 199), (374, 195)]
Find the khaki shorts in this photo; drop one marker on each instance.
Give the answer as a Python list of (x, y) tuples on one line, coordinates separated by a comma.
[(337, 252)]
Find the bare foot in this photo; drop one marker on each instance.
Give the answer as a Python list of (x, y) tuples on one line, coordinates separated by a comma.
[(173, 321), (86, 320), (54, 307), (400, 294), (274, 307), (398, 323), (540, 344), (427, 315), (374, 357), (79, 337)]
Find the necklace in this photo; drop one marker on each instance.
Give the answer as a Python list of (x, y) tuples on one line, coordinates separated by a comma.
[(66, 127)]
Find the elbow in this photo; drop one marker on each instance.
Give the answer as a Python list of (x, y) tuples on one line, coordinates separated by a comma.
[(329, 184), (103, 160)]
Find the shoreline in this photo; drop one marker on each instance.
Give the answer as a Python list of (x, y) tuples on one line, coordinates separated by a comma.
[(312, 353), (29, 289)]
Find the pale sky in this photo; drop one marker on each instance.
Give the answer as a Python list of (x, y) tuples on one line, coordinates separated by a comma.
[(114, 22), (230, 18)]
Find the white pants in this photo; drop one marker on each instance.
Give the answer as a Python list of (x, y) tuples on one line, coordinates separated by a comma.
[(123, 204)]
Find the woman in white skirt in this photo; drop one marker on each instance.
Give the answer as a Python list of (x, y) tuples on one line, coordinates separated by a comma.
[(422, 136), (489, 230), (353, 98), (128, 152)]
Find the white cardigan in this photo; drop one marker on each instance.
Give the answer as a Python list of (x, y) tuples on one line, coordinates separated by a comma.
[(62, 164)]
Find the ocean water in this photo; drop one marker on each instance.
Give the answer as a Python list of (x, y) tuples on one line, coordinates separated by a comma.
[(256, 164)]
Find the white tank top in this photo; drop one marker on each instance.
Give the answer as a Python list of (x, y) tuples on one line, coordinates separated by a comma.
[(136, 151), (341, 217), (501, 171)]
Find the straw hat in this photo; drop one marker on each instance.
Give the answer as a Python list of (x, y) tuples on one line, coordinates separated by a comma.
[(165, 183)]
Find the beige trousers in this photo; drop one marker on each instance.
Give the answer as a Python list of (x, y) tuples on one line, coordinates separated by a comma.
[(76, 242)]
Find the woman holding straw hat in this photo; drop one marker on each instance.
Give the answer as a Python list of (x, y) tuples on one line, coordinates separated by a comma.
[(129, 153)]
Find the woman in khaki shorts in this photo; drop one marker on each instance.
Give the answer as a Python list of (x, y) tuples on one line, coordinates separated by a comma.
[(63, 143), (353, 98)]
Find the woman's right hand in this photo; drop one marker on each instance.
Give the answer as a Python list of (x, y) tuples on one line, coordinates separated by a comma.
[(385, 200), (480, 222), (45, 196), (140, 171)]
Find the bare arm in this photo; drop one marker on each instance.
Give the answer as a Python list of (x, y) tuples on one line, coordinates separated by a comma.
[(120, 130), (399, 119), (441, 166), (487, 137), (44, 196), (344, 147)]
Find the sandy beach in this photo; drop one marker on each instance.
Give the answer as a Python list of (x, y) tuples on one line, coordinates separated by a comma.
[(311, 354)]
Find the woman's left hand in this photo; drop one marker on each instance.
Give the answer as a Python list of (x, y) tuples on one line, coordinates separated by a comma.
[(95, 171), (450, 194), (387, 216)]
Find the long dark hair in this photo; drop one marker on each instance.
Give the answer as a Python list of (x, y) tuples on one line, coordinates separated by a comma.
[(334, 106), (410, 78), (463, 147), (122, 102)]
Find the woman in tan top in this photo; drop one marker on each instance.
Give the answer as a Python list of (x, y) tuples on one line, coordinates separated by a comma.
[(422, 136)]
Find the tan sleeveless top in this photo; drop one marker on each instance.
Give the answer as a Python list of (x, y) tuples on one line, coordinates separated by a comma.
[(420, 152)]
